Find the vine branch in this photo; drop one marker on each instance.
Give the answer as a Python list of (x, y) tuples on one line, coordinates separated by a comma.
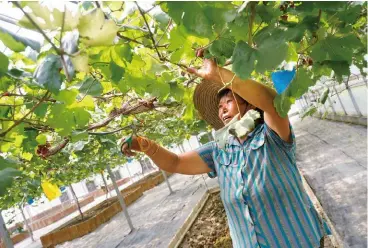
[(37, 27), (252, 16), (110, 132), (16, 123), (149, 30)]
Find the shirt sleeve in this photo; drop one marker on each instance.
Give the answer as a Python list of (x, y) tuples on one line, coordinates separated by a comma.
[(274, 136), (206, 153)]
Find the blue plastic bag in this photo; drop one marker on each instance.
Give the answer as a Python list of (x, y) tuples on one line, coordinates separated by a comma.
[(282, 79)]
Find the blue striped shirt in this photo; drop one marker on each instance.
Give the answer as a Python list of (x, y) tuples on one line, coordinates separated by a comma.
[(262, 191)]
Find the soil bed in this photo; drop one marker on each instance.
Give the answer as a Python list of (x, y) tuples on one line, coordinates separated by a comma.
[(90, 213), (210, 229)]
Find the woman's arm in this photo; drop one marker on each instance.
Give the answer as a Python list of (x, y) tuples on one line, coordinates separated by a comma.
[(189, 163), (255, 93)]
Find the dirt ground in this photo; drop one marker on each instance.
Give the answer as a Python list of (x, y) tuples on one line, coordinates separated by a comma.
[(210, 229)]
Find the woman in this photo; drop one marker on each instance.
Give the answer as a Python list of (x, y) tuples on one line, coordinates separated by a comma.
[(261, 187)]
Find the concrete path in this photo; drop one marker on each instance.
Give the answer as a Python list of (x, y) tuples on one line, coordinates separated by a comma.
[(156, 216), (27, 243), (332, 156)]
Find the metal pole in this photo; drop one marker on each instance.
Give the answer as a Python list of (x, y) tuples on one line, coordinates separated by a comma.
[(189, 144), (130, 175), (199, 143), (352, 98), (181, 151), (317, 96), (167, 181), (4, 233), (26, 223), (331, 105), (306, 102), (182, 147), (120, 198), (338, 97)]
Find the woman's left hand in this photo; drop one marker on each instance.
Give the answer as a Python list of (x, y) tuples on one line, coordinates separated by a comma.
[(209, 71)]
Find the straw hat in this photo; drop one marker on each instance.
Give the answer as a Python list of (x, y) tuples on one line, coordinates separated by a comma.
[(206, 102)]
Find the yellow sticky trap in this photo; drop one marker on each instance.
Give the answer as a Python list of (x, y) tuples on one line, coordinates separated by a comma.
[(51, 190)]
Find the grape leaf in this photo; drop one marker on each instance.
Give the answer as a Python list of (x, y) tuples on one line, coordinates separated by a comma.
[(239, 28), (121, 54), (324, 96), (90, 86), (176, 91), (8, 163), (336, 48), (77, 136), (67, 96), (41, 139), (270, 55), (16, 42), (95, 30), (80, 63), (41, 110), (243, 60), (200, 18), (340, 68), (309, 111), (81, 117), (7, 176), (268, 13), (4, 63), (47, 73), (10, 42), (117, 72), (61, 119), (222, 49)]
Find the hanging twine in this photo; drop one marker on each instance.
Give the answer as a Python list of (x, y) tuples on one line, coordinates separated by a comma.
[(230, 83)]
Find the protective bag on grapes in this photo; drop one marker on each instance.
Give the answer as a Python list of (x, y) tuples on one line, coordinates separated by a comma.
[(51, 190)]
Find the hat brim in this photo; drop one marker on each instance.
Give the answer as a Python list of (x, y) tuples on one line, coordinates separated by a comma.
[(206, 102)]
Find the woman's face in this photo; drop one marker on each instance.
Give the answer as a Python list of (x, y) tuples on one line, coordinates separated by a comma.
[(227, 108)]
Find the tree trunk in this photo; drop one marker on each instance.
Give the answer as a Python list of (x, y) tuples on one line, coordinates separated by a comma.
[(76, 199)]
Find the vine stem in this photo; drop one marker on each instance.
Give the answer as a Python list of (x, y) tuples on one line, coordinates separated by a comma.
[(136, 41), (167, 27), (16, 123), (61, 46), (37, 27), (110, 132), (317, 38), (149, 30), (252, 16)]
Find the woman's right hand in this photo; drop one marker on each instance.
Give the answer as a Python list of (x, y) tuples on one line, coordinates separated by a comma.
[(129, 150)]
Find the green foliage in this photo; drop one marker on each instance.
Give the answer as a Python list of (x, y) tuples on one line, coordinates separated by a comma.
[(7, 176), (47, 73), (4, 63), (16, 42), (107, 63)]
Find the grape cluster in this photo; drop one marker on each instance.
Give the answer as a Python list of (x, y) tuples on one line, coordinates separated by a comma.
[(284, 7), (43, 150)]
